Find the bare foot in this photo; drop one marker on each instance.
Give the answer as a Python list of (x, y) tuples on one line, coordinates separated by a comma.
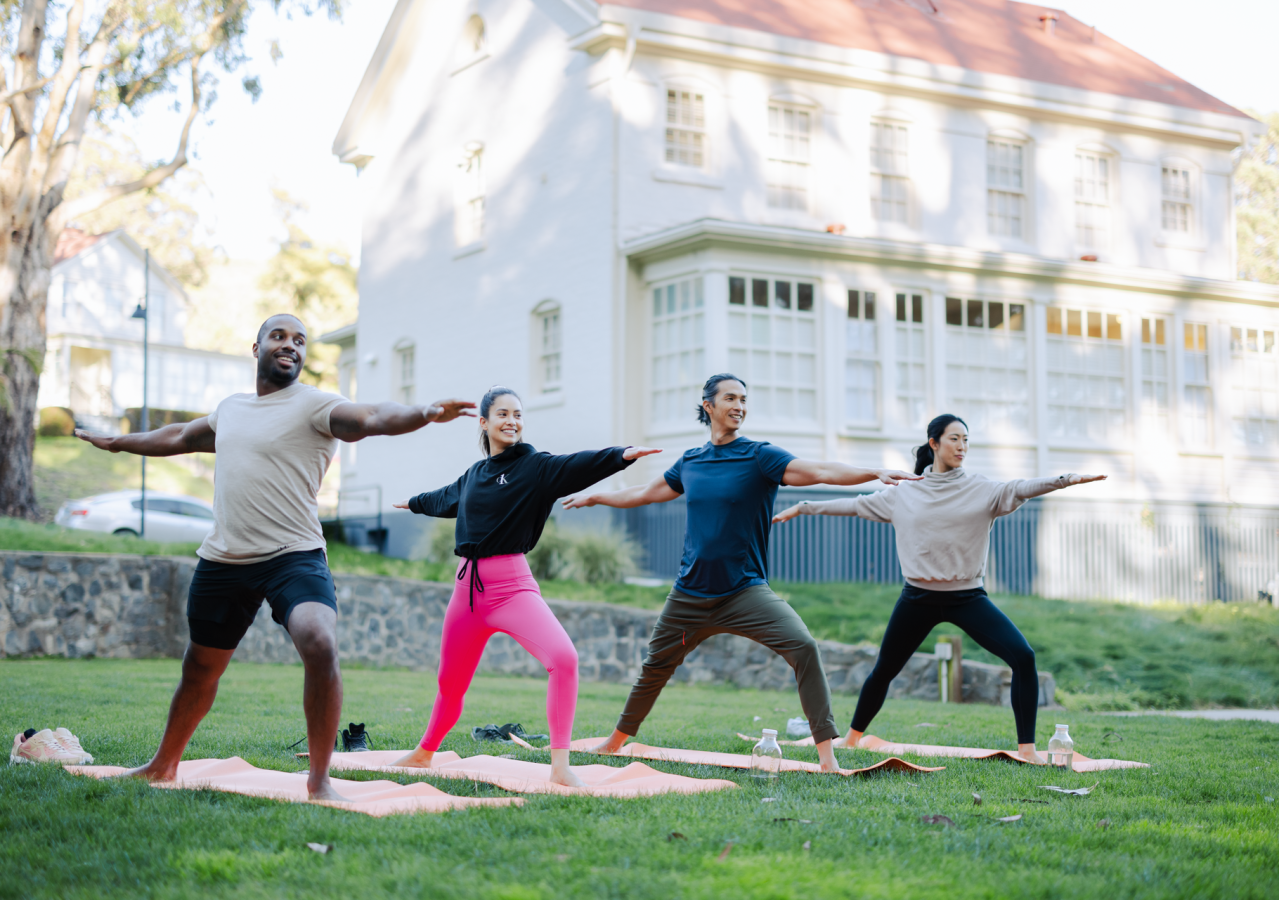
[(611, 744), (150, 772), (566, 777), (1030, 755), (827, 755), (325, 791), (416, 759)]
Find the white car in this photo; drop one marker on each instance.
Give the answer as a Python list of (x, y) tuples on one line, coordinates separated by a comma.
[(170, 517)]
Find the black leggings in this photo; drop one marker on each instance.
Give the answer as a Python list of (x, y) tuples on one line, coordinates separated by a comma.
[(917, 613)]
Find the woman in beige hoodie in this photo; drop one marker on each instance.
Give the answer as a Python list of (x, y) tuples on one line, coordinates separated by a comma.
[(943, 534)]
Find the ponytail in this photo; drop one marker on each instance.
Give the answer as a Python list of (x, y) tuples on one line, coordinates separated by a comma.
[(936, 428)]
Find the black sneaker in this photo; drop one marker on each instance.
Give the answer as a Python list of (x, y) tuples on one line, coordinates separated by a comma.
[(502, 734), (356, 739), (512, 728)]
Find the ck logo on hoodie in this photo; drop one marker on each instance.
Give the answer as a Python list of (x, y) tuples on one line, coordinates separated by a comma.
[(501, 479)]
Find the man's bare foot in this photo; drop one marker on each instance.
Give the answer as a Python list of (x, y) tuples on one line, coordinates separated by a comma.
[(1030, 755), (417, 759), (150, 772), (611, 744), (827, 755), (325, 791)]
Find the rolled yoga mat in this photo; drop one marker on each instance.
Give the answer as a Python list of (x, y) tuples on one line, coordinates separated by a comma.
[(519, 776), (374, 798), (743, 760)]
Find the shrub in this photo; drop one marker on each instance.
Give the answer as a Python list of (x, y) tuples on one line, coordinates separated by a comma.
[(550, 558), (443, 539), (603, 557), (56, 421)]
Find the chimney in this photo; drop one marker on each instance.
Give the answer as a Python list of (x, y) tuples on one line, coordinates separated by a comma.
[(1049, 22)]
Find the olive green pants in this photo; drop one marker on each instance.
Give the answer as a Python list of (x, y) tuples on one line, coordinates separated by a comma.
[(756, 613)]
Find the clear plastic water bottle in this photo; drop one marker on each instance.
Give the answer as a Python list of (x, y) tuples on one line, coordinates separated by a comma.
[(766, 757), (1061, 749)]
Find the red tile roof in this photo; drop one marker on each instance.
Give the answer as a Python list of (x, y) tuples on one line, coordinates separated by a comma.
[(996, 36), (73, 242)]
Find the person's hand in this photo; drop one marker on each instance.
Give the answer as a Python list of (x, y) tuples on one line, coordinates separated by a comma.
[(894, 476), (786, 515), (448, 410), (578, 501), (637, 452), (101, 441), (1085, 479), (403, 504)]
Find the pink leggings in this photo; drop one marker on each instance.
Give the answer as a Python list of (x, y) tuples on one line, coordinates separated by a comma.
[(511, 604)]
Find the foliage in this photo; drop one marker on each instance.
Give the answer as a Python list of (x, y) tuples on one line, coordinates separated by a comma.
[(600, 557), (56, 421), (550, 558), (442, 541), (1195, 824), (1257, 205)]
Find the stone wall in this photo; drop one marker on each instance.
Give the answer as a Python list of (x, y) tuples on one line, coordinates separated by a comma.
[(79, 605)]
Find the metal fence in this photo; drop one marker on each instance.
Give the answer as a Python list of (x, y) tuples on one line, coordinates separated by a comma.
[(1135, 552)]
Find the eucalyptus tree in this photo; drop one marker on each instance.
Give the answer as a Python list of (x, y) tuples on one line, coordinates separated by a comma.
[(60, 65)]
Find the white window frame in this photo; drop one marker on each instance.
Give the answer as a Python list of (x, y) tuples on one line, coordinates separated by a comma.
[(775, 345), (687, 118), (1254, 388), (910, 382), (469, 210), (547, 347), (789, 160), (406, 372), (677, 351), (1178, 191), (1156, 406), (1007, 192), (1197, 409), (862, 366), (1088, 388), (988, 365), (890, 183), (1094, 198)]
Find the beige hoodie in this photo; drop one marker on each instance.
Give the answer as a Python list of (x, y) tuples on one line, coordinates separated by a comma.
[(942, 522)]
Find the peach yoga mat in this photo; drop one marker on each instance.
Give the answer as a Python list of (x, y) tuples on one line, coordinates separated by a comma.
[(374, 798), (521, 777), (1080, 763), (743, 760)]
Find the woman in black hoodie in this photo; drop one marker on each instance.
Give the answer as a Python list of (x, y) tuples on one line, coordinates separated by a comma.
[(501, 505)]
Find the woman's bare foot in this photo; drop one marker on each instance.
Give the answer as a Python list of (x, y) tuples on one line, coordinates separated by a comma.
[(1030, 755), (417, 759), (151, 772), (848, 741), (561, 773), (611, 744)]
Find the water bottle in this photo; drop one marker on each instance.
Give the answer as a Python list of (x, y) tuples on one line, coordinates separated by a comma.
[(766, 757), (1061, 749)]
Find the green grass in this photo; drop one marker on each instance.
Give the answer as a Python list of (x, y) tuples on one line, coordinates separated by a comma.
[(1195, 824), (66, 468)]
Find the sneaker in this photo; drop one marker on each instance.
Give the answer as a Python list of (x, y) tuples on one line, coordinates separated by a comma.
[(72, 743), (502, 734), (355, 739), (33, 746)]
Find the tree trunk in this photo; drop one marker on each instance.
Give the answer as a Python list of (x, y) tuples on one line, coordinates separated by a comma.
[(22, 344)]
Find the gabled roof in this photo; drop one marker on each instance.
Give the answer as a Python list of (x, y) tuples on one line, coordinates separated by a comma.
[(73, 242), (999, 37)]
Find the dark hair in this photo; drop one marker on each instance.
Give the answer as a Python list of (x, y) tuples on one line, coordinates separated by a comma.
[(486, 403), (710, 391), (262, 329), (936, 428)]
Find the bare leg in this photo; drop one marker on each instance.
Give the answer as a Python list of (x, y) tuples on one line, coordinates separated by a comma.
[(313, 627), (1028, 753), (611, 744), (561, 773), (201, 669)]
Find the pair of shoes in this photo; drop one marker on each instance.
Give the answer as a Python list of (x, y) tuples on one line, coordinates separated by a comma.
[(502, 734), (61, 747), (355, 739)]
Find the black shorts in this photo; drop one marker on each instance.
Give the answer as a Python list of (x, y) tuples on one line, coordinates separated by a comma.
[(224, 598)]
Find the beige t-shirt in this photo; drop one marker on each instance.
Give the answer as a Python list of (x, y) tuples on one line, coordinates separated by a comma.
[(272, 453)]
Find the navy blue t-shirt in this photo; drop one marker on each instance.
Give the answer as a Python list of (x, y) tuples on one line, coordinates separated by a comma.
[(730, 491)]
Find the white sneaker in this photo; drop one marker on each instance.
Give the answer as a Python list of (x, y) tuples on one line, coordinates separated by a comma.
[(43, 746), (72, 743)]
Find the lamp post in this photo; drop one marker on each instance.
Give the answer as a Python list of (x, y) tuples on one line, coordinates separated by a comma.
[(141, 313)]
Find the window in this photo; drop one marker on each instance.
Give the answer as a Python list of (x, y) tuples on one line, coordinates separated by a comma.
[(1198, 405), (1005, 188), (470, 196), (789, 148), (986, 371), (679, 350), (1177, 212), (912, 400), (1087, 390), (685, 128), (772, 337), (1254, 388), (1092, 200), (546, 347), (889, 174), (1155, 375), (406, 374), (861, 367)]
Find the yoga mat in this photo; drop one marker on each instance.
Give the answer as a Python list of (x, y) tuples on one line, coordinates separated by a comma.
[(743, 760), (374, 798), (521, 777), (1080, 763)]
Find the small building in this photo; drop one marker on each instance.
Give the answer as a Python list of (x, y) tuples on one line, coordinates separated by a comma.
[(93, 364)]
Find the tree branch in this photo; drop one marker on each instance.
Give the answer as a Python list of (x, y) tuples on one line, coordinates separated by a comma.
[(10, 95), (63, 79)]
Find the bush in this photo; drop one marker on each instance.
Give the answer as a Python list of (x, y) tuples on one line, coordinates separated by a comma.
[(442, 541), (56, 421), (550, 558), (601, 557)]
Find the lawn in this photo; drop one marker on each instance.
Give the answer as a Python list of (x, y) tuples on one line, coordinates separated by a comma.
[(66, 468), (1198, 823)]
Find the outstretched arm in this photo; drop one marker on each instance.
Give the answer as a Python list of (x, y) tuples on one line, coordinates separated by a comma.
[(656, 491), (806, 472), (171, 440), (351, 422)]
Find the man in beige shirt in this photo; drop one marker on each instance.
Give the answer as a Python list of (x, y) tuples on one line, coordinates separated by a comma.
[(273, 448)]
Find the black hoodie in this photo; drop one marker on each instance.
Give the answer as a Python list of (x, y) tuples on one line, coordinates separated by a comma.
[(501, 503)]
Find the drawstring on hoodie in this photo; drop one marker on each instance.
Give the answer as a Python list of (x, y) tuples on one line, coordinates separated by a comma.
[(473, 564)]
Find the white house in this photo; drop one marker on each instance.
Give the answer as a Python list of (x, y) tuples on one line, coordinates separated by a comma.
[(873, 211), (93, 364)]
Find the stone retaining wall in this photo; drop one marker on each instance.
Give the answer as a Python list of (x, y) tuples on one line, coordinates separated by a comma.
[(81, 605)]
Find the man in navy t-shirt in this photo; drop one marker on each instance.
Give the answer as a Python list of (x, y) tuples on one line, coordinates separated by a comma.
[(730, 483)]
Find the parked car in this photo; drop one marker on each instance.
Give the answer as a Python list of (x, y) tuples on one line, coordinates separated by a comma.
[(170, 517)]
